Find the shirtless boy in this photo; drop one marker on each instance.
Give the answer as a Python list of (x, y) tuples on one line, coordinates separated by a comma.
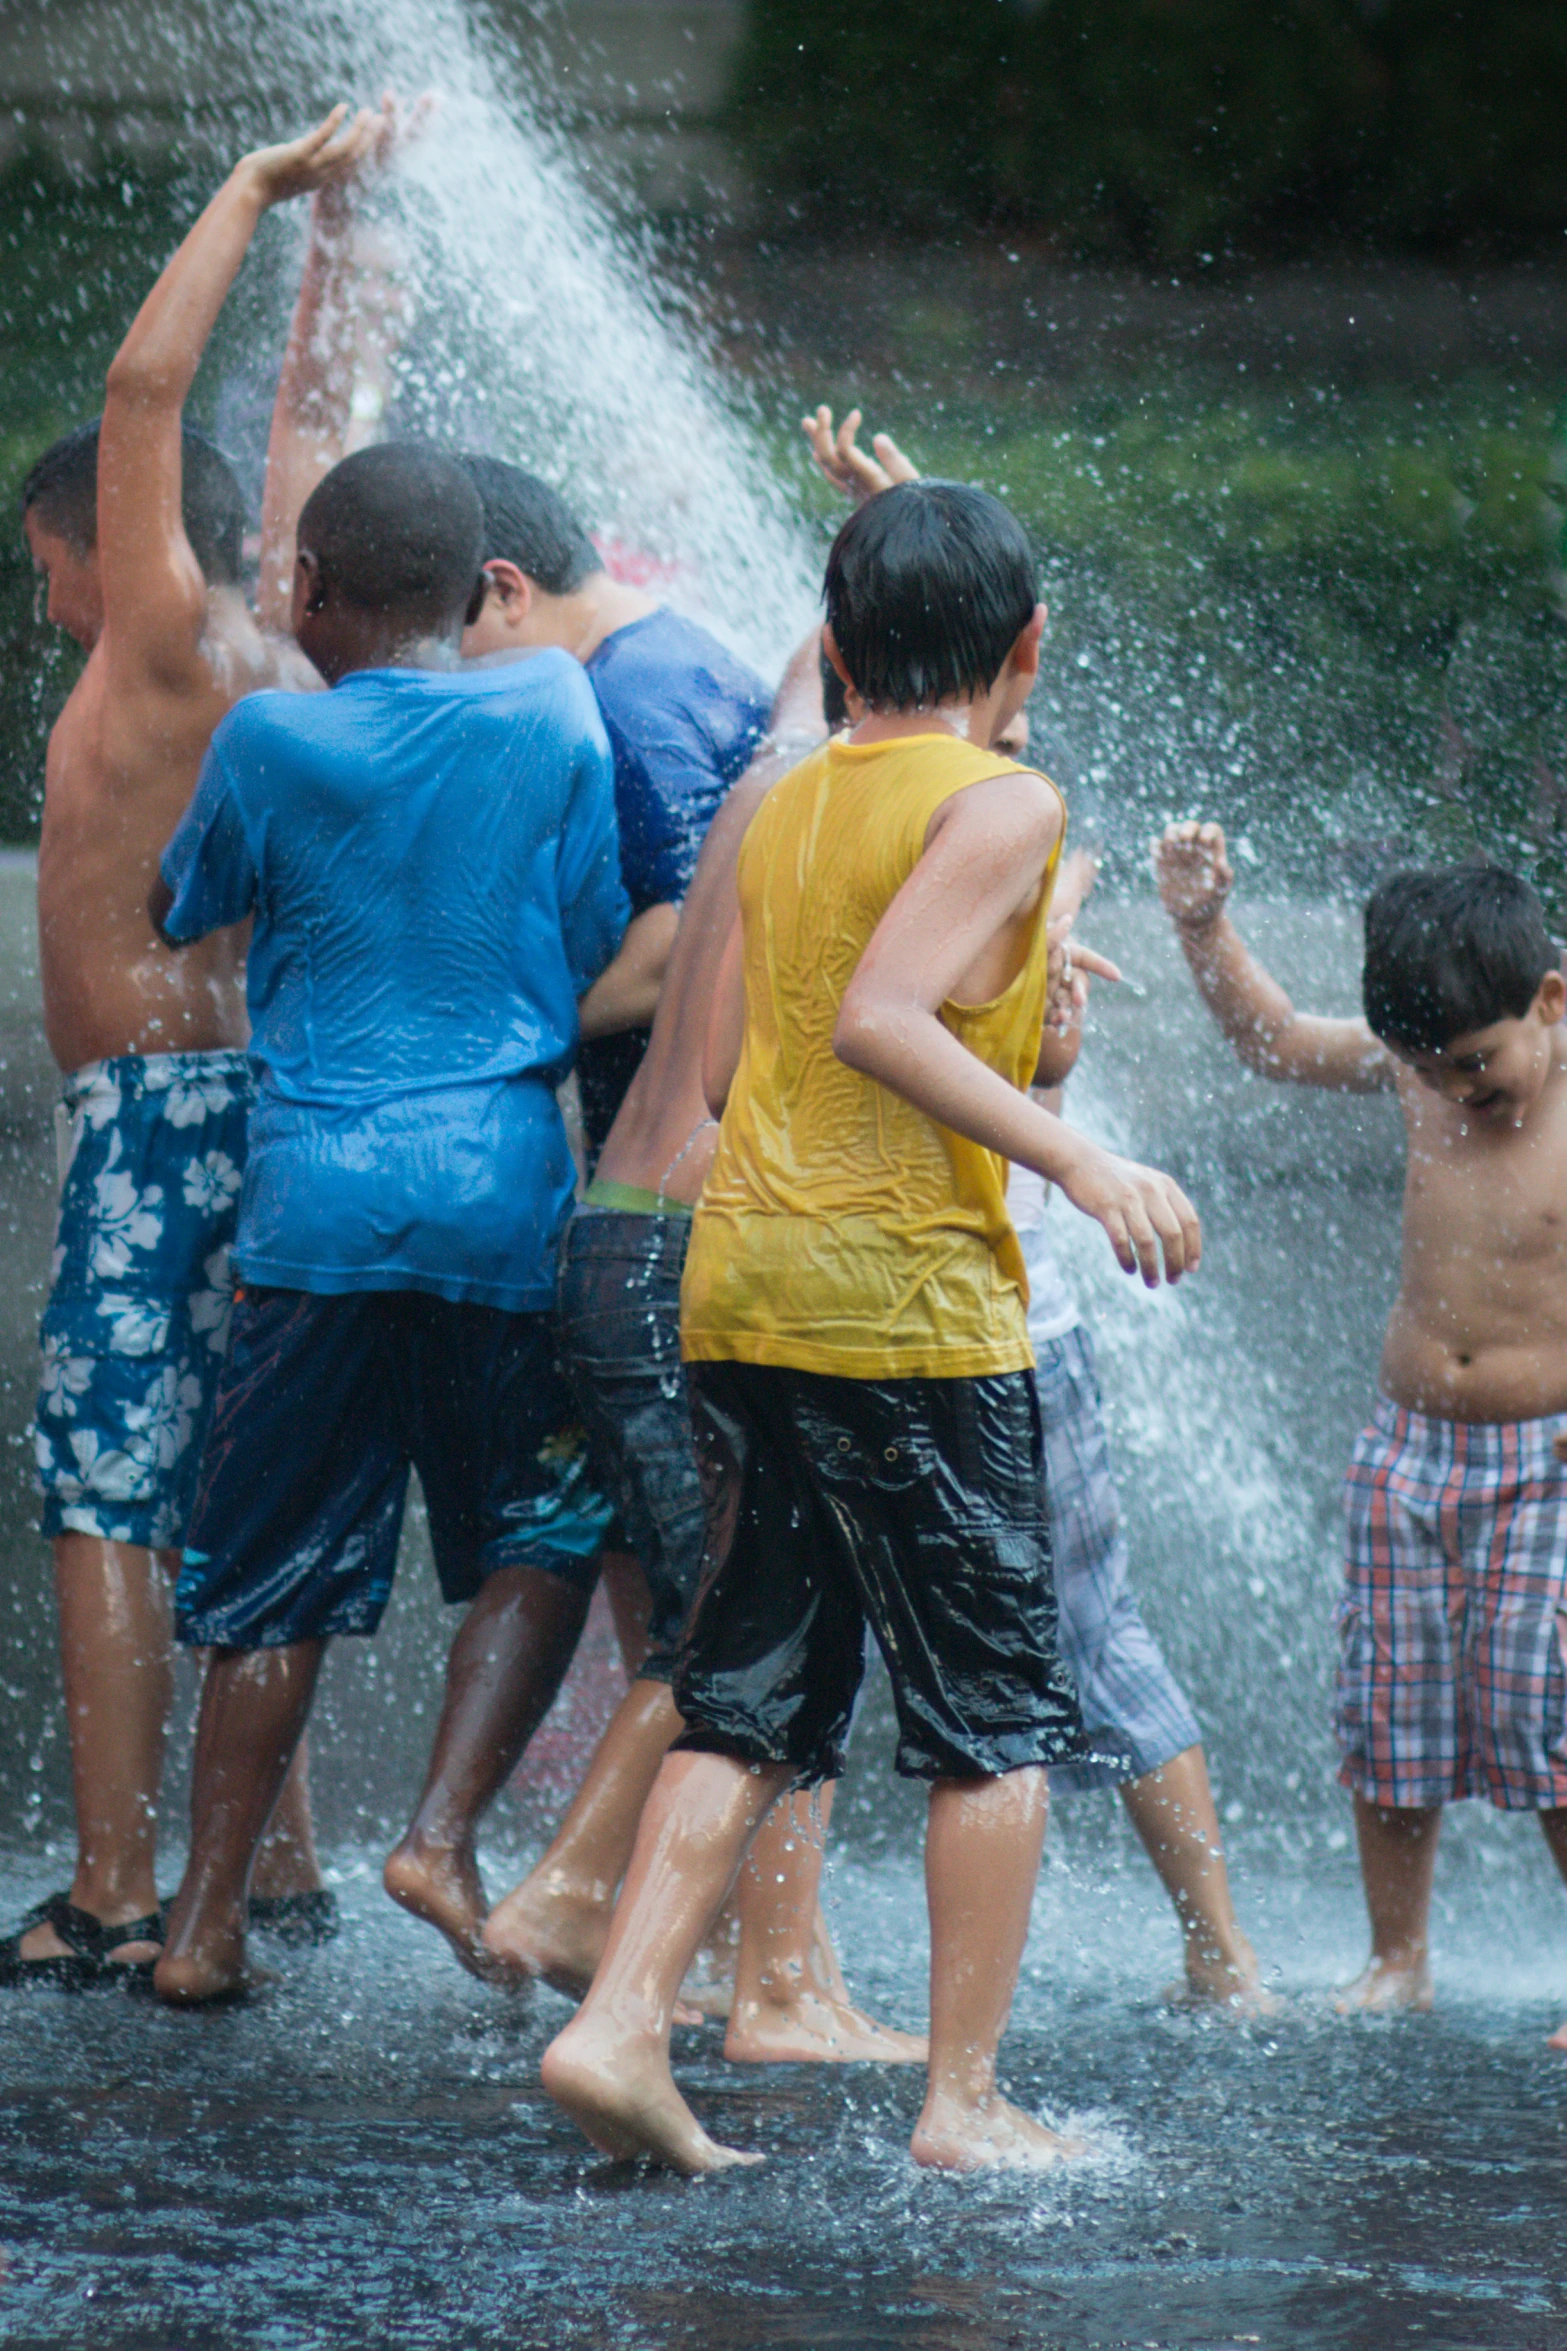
[(619, 1309), (1450, 1681), (853, 1328), (137, 523), (429, 853)]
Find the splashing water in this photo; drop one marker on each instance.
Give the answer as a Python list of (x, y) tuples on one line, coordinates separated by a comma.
[(538, 334)]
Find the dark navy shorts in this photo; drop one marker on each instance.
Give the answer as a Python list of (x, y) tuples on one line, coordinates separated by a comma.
[(619, 1323), (324, 1404), (915, 1508)]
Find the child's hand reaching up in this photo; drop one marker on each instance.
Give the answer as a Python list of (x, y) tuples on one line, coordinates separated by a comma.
[(332, 152), (847, 465), (1194, 874)]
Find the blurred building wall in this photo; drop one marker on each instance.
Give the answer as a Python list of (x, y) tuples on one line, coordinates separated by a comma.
[(89, 83)]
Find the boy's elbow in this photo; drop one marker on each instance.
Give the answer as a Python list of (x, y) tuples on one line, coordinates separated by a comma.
[(160, 904), (860, 1034), (142, 383)]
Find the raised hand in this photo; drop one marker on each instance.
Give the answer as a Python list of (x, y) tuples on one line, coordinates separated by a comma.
[(846, 465), (1140, 1210), (323, 158), (1194, 874)]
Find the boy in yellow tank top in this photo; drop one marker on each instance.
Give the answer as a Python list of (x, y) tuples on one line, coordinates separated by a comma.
[(853, 1317)]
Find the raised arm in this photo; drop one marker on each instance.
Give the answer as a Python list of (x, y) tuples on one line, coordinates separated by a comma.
[(846, 465), (154, 595), (983, 869), (1299, 1048), (350, 318)]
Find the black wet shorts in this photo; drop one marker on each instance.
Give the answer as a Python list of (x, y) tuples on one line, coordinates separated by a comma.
[(913, 1507), (323, 1406), (619, 1326)]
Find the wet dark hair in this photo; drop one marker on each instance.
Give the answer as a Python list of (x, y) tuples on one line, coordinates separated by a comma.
[(529, 524), (1450, 952), (398, 528), (928, 588), (62, 490), (835, 694)]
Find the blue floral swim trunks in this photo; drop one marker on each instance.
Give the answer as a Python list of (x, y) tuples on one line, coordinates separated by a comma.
[(140, 1291)]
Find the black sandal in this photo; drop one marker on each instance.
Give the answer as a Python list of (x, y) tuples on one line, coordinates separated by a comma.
[(85, 1961), (298, 1919)]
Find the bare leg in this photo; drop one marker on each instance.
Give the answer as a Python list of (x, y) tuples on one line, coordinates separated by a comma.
[(1172, 1811), (791, 2005), (556, 1922), (253, 1710), (507, 1662), (1397, 1865), (287, 1862), (117, 1655), (1555, 1826), (609, 2069), (981, 1862), (630, 1604)]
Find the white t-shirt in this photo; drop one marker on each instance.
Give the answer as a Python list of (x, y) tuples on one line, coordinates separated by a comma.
[(1052, 1309)]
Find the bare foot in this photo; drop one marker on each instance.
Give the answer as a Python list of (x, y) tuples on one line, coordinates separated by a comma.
[(620, 2093), (1383, 1989), (813, 2029), (196, 1971), (993, 2135), (547, 1927), (443, 1887), (1233, 1986), (1558, 2039)]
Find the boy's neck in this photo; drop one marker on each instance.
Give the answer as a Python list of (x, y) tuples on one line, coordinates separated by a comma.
[(891, 726), (580, 622)]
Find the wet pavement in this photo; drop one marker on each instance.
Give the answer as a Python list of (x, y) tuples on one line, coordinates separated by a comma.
[(363, 2156)]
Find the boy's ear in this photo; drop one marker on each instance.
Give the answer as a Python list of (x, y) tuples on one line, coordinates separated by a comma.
[(511, 588), (1024, 656), (309, 586), (1551, 1001), (830, 648)]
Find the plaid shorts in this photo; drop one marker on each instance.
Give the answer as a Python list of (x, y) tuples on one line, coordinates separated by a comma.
[(1134, 1710), (1452, 1677)]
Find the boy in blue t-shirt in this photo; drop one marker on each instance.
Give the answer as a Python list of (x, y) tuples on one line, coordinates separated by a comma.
[(430, 858), (684, 718)]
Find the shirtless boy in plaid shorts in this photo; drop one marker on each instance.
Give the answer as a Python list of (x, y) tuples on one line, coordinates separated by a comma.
[(1451, 1676)]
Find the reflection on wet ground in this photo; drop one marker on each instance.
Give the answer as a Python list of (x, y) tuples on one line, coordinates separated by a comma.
[(363, 2157)]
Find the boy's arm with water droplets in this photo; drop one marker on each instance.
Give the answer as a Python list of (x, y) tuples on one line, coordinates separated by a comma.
[(155, 596), (1298, 1048), (983, 868), (351, 315)]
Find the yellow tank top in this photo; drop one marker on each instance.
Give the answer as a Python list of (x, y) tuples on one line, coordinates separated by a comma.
[(841, 1230)]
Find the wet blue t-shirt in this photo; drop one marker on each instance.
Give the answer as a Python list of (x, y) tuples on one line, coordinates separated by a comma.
[(684, 717), (432, 862)]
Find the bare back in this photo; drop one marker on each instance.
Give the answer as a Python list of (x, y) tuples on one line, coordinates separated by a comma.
[(123, 762), (1479, 1330)]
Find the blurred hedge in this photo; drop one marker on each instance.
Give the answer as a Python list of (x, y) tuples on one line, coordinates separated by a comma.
[(1164, 130)]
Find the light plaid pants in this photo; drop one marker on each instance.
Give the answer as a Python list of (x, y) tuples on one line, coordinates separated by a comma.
[(1452, 1678)]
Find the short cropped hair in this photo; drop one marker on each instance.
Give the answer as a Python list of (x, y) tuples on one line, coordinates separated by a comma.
[(397, 528), (62, 490), (1451, 952), (928, 588), (529, 524)]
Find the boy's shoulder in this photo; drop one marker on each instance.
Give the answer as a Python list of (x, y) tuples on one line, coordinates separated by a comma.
[(679, 659)]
